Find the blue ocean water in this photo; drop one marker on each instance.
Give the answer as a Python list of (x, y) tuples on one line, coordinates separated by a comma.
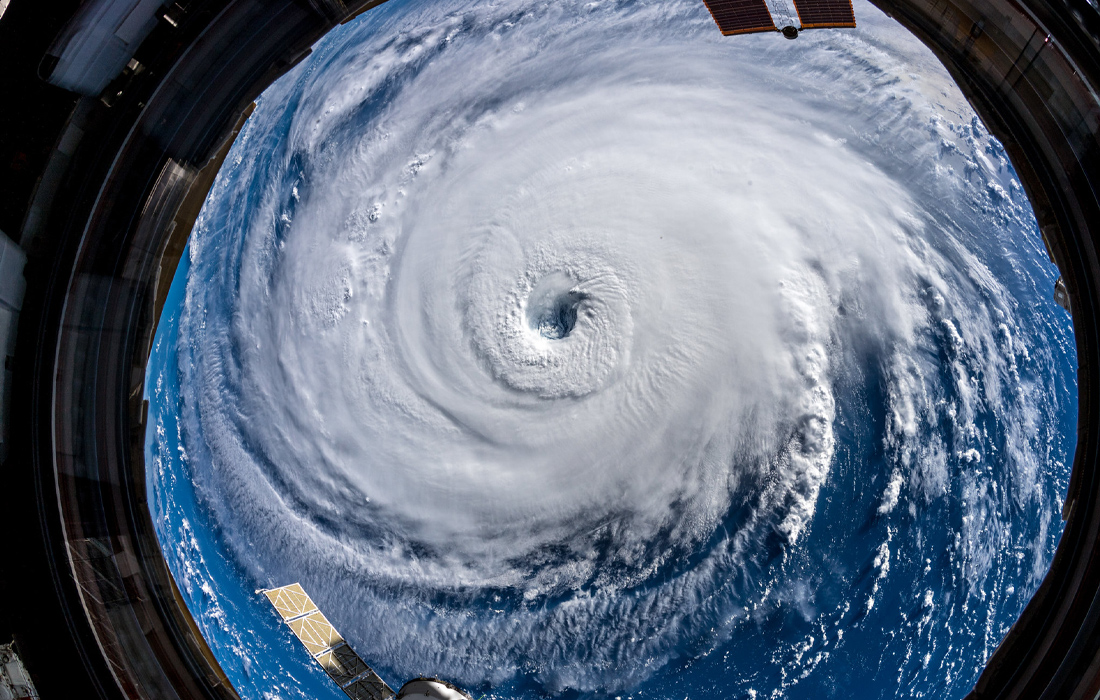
[(931, 525)]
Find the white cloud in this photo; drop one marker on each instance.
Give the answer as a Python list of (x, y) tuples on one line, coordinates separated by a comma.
[(737, 223)]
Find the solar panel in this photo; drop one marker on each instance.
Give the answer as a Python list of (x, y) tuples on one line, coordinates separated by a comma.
[(741, 16), (342, 664), (825, 13), (326, 645), (290, 601)]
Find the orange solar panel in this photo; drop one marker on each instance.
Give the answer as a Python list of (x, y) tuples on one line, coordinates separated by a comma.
[(326, 645), (741, 16), (825, 13)]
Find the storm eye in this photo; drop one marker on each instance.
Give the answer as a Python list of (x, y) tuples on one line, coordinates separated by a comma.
[(553, 305), (557, 320)]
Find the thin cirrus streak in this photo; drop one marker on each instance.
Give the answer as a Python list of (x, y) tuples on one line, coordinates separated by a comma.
[(527, 336)]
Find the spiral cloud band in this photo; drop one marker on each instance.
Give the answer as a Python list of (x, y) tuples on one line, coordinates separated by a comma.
[(528, 335)]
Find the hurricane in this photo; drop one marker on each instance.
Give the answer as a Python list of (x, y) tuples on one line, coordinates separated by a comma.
[(573, 349)]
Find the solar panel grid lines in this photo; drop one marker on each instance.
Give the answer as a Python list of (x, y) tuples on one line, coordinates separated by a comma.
[(290, 601), (741, 16), (815, 14), (326, 645), (316, 632), (342, 664), (370, 687)]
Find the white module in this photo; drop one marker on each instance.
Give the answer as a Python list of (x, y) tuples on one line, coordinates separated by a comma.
[(430, 688), (15, 682)]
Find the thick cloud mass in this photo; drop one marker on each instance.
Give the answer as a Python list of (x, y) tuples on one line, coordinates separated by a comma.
[(527, 335)]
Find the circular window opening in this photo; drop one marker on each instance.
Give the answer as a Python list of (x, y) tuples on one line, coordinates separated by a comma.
[(579, 349)]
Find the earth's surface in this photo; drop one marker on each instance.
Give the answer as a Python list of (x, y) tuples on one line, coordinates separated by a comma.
[(570, 349)]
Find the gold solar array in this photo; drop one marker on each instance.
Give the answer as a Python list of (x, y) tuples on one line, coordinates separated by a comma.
[(326, 645)]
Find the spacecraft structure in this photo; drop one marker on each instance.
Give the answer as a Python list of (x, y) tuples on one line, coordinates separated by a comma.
[(114, 619), (329, 649), (753, 16), (326, 645), (15, 682)]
